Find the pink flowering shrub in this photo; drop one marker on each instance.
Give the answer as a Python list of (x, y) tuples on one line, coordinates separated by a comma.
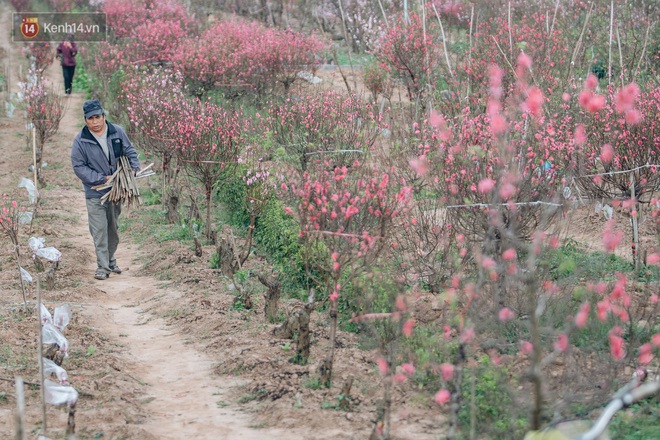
[(240, 56), (323, 123), (410, 54), (208, 141), (345, 216), (45, 110)]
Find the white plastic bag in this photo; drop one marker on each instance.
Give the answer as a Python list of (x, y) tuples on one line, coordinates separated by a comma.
[(24, 217), (29, 186), (61, 317), (51, 335), (25, 275), (57, 394), (36, 243), (49, 253), (46, 317), (51, 367)]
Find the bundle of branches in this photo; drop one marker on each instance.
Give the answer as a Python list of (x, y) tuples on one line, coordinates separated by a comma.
[(123, 187)]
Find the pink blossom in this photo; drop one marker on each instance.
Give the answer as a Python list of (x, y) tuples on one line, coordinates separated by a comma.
[(447, 371), (467, 335), (382, 366), (488, 263), (334, 296), (526, 347), (596, 104), (506, 314), (580, 135), (509, 254), (611, 237), (626, 97), (446, 332), (534, 101), (400, 377), (591, 82), (442, 397), (497, 124), (507, 191), (565, 97), (655, 340), (408, 368), (335, 266), (436, 120), (408, 327), (486, 185), (401, 303), (602, 309), (654, 298), (561, 344), (554, 242), (334, 256), (606, 153), (645, 354), (616, 344), (583, 315), (419, 165), (524, 60), (634, 117)]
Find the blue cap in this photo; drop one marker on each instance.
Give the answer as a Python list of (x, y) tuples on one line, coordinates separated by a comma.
[(92, 107)]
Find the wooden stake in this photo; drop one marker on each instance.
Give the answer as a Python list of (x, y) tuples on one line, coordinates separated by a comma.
[(635, 226), (34, 163), (20, 409), (41, 358)]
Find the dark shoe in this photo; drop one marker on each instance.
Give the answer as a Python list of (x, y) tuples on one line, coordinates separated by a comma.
[(115, 269), (101, 275)]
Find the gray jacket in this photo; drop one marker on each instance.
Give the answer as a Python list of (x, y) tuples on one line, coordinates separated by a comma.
[(90, 163)]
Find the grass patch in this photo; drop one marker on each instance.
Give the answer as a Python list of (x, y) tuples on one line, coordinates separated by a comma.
[(639, 422), (571, 262)]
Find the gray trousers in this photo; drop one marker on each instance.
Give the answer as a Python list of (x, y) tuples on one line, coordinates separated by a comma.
[(102, 221)]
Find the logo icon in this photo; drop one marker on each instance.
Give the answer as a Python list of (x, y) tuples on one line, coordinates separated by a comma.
[(30, 27)]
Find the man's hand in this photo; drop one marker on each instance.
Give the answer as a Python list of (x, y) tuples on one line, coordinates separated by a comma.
[(107, 178)]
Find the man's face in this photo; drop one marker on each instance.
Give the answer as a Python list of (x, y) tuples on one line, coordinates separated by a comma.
[(96, 124)]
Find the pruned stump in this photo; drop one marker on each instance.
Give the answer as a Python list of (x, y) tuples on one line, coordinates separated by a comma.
[(272, 297), (297, 324), (287, 329), (49, 279), (172, 206), (303, 343), (345, 395), (71, 423), (226, 260), (325, 372), (198, 247), (52, 352)]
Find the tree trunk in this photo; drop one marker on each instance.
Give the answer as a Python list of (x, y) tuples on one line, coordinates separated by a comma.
[(272, 297), (326, 367), (172, 205), (198, 247), (226, 257), (71, 423), (208, 213), (303, 342)]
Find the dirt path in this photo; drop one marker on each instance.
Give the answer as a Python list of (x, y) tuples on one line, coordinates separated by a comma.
[(184, 398)]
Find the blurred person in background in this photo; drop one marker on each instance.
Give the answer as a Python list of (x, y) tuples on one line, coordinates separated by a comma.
[(66, 53)]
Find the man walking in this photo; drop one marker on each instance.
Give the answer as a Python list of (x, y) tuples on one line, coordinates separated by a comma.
[(94, 156)]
